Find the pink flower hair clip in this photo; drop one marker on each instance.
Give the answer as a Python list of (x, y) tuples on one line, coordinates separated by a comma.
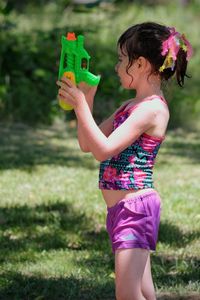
[(171, 47)]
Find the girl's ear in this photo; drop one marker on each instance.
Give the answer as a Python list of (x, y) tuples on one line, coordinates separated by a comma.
[(143, 64), (141, 61)]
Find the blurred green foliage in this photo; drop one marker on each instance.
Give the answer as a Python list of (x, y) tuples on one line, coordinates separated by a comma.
[(30, 51), (26, 73)]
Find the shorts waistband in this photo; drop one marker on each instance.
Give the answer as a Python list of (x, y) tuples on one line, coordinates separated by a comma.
[(136, 197)]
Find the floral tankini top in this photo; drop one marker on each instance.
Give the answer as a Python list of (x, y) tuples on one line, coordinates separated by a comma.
[(132, 169)]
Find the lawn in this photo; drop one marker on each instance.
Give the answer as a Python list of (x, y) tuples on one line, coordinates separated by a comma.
[(53, 242)]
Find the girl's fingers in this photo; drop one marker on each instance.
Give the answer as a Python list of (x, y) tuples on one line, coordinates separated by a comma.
[(67, 81), (65, 97), (58, 82), (69, 91), (68, 86), (72, 91), (65, 91), (63, 85)]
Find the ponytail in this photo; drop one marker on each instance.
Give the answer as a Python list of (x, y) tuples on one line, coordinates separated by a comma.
[(181, 67), (176, 51)]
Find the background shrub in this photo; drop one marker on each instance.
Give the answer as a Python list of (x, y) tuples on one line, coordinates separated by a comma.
[(30, 52)]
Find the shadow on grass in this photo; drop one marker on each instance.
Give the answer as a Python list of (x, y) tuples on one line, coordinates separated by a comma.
[(183, 146), (171, 234), (32, 287), (52, 226), (28, 231), (25, 148), (171, 271), (48, 227), (61, 226)]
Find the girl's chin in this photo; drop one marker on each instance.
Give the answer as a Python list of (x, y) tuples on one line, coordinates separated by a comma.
[(126, 87)]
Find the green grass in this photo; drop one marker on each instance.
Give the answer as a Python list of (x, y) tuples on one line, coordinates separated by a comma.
[(53, 239)]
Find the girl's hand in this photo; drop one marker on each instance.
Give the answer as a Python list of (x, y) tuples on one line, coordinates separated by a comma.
[(69, 93), (89, 91)]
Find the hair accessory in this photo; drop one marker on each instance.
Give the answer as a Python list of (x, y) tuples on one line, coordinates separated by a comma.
[(171, 47)]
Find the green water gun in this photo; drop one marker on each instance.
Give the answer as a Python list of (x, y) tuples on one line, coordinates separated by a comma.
[(74, 63)]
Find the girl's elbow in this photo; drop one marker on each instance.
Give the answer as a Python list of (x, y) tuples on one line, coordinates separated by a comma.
[(84, 149), (101, 156)]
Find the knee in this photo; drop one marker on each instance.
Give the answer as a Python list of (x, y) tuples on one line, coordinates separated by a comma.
[(150, 295)]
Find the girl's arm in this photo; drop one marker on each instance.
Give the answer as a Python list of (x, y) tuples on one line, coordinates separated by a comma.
[(101, 146), (106, 126), (80, 133), (89, 93)]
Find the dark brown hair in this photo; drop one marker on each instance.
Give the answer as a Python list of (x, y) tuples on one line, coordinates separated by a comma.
[(146, 40)]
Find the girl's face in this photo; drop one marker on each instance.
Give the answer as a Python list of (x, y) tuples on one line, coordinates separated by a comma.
[(127, 81)]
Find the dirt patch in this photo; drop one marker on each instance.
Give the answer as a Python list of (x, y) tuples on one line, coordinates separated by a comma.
[(170, 296)]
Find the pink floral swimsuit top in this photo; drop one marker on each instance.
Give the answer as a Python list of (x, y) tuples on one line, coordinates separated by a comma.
[(132, 168)]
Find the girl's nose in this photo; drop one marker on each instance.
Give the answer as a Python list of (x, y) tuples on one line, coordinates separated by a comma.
[(116, 68)]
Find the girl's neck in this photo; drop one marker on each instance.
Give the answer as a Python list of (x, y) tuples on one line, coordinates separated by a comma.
[(152, 87), (140, 97)]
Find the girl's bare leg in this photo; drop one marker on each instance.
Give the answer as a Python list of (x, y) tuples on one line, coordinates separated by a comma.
[(148, 290), (129, 269)]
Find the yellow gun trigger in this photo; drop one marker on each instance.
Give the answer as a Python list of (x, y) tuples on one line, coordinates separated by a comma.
[(70, 75), (64, 105)]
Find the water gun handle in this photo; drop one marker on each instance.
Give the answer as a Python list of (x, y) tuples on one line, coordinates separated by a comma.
[(70, 75), (90, 78)]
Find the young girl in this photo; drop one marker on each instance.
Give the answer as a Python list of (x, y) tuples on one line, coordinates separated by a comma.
[(126, 144)]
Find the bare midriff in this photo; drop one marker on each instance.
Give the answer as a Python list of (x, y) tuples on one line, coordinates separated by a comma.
[(112, 197)]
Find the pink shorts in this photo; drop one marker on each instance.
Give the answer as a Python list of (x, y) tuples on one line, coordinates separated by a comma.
[(134, 223)]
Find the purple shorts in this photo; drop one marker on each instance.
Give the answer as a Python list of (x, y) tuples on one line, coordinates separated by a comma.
[(134, 223)]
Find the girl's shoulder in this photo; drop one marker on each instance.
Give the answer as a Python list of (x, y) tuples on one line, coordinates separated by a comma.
[(155, 102), (123, 106)]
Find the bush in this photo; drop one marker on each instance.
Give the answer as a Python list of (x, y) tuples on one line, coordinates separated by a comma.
[(29, 59), (28, 76)]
